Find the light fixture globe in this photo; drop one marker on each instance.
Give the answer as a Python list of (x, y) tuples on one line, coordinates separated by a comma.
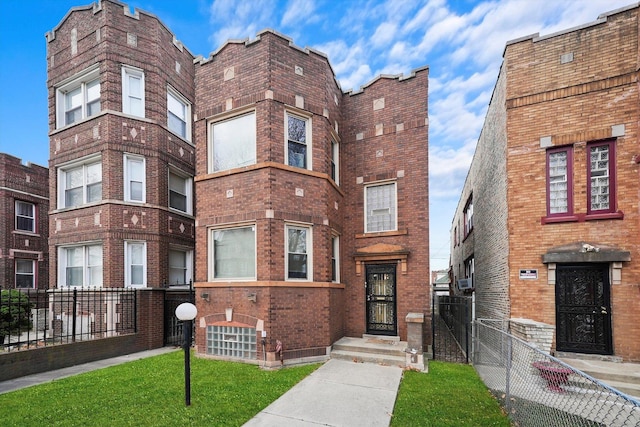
[(186, 311)]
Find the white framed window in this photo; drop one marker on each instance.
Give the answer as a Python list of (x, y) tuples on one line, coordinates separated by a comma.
[(78, 98), (80, 266), (180, 191), (25, 216), (335, 161), (133, 91), (134, 179), (25, 273), (335, 258), (298, 259), (80, 183), (180, 266), (232, 143), (380, 207), (135, 273), (298, 140), (232, 253), (178, 114)]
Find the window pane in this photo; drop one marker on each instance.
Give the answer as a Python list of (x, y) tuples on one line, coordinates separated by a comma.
[(24, 224), (297, 155), (297, 253), (177, 125), (297, 129), (94, 173), (600, 177), (178, 192), (234, 143), (177, 267), (93, 90), (558, 179), (137, 275), (74, 178), (136, 253), (234, 253), (74, 276), (381, 206), (176, 107), (94, 192), (136, 191)]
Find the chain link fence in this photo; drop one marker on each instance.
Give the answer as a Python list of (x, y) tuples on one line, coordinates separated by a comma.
[(537, 389)]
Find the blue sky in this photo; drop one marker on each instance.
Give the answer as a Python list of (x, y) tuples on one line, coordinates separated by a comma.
[(460, 40)]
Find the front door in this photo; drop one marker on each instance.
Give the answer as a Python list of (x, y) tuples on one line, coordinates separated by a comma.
[(583, 308), (381, 299)]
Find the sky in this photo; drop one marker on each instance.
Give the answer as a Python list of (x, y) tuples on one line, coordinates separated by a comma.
[(461, 41)]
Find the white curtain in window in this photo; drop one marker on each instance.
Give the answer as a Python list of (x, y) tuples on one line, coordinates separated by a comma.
[(234, 253), (234, 143)]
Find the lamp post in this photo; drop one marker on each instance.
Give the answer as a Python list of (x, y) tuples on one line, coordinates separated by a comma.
[(187, 312)]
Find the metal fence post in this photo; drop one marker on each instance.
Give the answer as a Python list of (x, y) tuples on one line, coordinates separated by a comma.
[(507, 383), (74, 311)]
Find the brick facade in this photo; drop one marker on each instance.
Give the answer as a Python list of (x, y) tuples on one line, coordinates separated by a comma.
[(269, 79), (105, 37), (581, 89), (28, 184)]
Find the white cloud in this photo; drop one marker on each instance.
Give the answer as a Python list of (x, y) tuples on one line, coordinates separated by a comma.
[(297, 12)]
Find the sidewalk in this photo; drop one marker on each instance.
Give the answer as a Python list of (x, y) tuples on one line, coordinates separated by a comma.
[(339, 393), (43, 377)]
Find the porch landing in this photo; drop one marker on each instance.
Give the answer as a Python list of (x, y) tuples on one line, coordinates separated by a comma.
[(622, 376)]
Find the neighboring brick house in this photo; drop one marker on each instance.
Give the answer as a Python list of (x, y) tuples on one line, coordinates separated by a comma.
[(287, 164), (122, 157), (548, 221), (24, 225)]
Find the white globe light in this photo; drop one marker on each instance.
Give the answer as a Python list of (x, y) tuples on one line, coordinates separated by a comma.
[(186, 311)]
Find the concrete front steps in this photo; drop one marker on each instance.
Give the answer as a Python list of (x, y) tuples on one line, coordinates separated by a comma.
[(624, 377), (381, 350)]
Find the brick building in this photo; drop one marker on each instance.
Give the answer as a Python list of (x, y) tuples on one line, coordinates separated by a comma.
[(24, 201), (286, 167), (310, 221), (122, 157), (547, 226)]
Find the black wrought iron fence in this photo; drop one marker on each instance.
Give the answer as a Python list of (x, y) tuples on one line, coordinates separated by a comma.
[(451, 328), (36, 318), (536, 389)]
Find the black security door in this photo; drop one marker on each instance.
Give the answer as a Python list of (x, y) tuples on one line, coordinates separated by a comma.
[(381, 299), (583, 308)]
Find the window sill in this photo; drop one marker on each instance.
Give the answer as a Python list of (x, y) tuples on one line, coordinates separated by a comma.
[(581, 217), (26, 233), (382, 234)]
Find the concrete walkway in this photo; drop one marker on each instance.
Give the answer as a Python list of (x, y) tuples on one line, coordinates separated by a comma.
[(339, 393), (44, 377)]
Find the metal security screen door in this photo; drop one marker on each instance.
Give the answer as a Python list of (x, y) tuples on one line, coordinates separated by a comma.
[(381, 299), (583, 308)]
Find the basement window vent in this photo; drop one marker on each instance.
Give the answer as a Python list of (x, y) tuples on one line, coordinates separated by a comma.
[(231, 341)]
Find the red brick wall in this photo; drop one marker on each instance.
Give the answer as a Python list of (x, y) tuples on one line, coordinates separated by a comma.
[(26, 183), (103, 35)]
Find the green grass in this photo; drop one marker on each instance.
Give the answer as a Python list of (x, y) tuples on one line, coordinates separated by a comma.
[(449, 395), (150, 392)]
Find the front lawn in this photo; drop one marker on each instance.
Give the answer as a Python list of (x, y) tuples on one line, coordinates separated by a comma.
[(449, 395), (150, 392)]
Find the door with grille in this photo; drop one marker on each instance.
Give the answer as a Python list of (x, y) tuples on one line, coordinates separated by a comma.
[(381, 299), (583, 308)]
